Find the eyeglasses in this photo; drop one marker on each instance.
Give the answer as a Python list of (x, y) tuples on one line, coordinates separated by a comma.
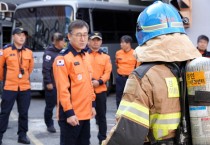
[(80, 35)]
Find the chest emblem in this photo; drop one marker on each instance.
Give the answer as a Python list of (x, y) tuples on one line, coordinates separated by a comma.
[(79, 77)]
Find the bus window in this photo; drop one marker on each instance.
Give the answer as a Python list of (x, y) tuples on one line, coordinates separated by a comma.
[(83, 14), (113, 24), (42, 22)]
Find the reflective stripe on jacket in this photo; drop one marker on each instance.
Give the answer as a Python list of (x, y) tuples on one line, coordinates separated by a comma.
[(148, 106), (10, 62)]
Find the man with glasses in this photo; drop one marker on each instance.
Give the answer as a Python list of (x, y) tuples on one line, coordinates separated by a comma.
[(76, 98)]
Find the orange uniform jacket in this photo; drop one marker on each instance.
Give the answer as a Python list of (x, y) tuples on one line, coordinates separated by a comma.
[(125, 62), (102, 68), (10, 62), (72, 72)]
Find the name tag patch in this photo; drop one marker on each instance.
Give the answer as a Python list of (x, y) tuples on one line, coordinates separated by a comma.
[(173, 88)]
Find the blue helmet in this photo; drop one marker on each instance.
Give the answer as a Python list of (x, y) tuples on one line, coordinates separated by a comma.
[(158, 19)]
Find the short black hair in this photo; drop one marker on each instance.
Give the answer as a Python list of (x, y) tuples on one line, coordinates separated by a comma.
[(57, 37), (126, 39), (77, 24), (203, 37)]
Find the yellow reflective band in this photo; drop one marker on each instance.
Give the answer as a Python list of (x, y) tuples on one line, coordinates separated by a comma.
[(165, 121), (161, 26), (136, 118), (134, 111), (173, 88), (134, 105), (177, 24), (154, 27), (162, 123), (165, 116)]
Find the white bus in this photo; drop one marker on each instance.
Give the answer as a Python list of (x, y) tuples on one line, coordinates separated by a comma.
[(42, 18)]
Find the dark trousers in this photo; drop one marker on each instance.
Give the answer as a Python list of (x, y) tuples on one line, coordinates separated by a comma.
[(50, 100), (101, 115), (75, 135), (120, 85), (23, 99)]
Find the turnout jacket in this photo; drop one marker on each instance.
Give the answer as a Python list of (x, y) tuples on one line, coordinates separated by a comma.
[(73, 74), (11, 59), (102, 68), (48, 58), (150, 104)]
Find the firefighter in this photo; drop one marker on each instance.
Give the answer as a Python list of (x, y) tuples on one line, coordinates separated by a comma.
[(150, 107), (126, 63), (76, 98), (202, 44), (16, 65), (50, 89), (102, 68)]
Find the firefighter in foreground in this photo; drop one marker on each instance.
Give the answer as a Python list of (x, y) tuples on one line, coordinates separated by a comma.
[(150, 107)]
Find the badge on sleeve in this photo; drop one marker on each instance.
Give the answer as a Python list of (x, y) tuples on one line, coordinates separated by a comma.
[(60, 62), (48, 57), (1, 53)]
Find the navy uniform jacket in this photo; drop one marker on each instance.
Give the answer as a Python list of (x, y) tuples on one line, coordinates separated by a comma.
[(48, 58)]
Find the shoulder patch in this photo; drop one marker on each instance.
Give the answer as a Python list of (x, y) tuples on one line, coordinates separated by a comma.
[(48, 57), (6, 46), (130, 86), (64, 51), (60, 62), (1, 53)]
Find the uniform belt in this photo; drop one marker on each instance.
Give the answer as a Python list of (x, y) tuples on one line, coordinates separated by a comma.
[(165, 142), (124, 76)]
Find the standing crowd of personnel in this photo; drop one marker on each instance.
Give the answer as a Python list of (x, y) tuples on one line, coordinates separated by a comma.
[(75, 81)]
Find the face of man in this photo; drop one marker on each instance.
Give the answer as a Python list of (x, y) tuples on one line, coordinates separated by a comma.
[(60, 44), (202, 45), (78, 38), (125, 46), (19, 39), (95, 44)]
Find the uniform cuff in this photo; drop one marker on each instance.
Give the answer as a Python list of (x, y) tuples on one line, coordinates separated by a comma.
[(100, 82), (69, 113), (94, 104)]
